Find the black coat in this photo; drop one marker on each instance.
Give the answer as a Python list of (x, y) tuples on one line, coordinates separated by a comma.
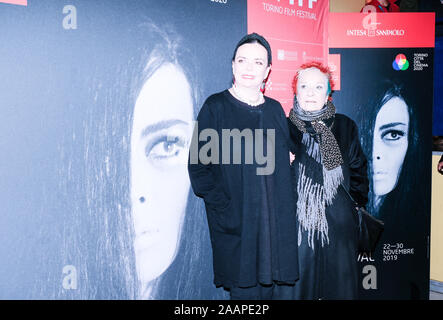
[(331, 272), (235, 195)]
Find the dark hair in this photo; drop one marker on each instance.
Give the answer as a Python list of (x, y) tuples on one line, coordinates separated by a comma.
[(254, 38), (190, 275), (408, 179)]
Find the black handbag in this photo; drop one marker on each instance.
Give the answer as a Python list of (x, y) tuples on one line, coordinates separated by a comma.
[(370, 228)]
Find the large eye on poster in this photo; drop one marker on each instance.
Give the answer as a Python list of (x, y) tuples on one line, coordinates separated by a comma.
[(98, 100), (386, 81)]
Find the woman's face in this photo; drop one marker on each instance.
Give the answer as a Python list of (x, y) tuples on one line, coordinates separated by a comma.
[(161, 132), (250, 66), (312, 89), (390, 145)]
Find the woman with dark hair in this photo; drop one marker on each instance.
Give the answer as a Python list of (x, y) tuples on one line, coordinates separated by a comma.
[(328, 169), (160, 138), (249, 205), (392, 124), (391, 147), (135, 230)]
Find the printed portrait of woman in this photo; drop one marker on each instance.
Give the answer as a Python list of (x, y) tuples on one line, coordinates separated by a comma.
[(169, 224), (391, 144), (132, 229), (97, 124), (393, 111), (392, 122), (160, 135)]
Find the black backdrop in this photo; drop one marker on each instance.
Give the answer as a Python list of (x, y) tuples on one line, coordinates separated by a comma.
[(394, 273)]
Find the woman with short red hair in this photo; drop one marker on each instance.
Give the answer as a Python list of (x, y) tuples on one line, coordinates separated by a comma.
[(329, 165)]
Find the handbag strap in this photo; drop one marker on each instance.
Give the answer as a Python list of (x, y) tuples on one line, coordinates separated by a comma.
[(347, 192)]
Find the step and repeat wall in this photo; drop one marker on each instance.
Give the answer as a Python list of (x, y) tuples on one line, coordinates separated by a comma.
[(98, 100), (97, 103)]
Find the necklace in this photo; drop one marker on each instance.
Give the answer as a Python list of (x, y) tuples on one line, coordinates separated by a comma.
[(252, 103)]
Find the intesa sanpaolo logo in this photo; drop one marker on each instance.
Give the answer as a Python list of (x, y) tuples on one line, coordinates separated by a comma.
[(400, 62)]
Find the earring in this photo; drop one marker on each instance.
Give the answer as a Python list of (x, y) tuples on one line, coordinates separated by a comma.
[(263, 86), (142, 199)]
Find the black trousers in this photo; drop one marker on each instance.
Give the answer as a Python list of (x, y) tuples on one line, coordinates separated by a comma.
[(264, 292)]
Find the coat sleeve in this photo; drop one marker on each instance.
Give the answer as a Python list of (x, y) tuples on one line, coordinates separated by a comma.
[(206, 179), (283, 122), (294, 135), (358, 164)]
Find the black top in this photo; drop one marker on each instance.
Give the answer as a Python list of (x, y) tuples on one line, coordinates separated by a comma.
[(251, 216), (331, 271)]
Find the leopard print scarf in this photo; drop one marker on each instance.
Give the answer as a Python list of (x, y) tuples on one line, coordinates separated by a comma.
[(315, 191)]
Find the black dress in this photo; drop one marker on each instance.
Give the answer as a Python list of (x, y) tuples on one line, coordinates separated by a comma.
[(331, 271), (251, 217)]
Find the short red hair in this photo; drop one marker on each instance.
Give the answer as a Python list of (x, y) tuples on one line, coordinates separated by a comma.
[(313, 64)]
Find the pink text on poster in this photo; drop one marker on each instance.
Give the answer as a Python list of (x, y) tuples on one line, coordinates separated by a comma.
[(18, 2)]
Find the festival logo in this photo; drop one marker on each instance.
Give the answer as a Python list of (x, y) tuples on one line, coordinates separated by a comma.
[(400, 62)]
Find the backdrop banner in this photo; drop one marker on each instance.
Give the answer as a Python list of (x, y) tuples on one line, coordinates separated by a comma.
[(383, 66), (98, 100), (297, 32)]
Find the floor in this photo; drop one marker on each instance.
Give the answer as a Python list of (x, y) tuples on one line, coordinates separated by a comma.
[(435, 295), (436, 290)]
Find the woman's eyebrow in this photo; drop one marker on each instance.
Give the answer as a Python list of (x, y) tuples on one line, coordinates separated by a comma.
[(254, 58), (161, 125), (392, 124)]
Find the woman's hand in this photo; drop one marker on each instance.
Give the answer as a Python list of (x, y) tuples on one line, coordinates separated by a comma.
[(291, 157)]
